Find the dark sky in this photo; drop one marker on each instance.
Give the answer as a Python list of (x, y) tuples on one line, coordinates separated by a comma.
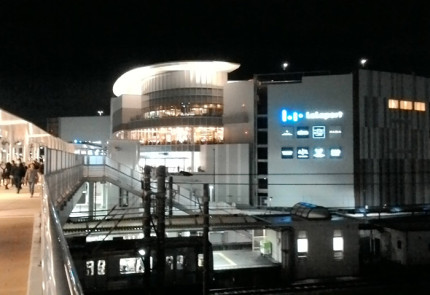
[(61, 58)]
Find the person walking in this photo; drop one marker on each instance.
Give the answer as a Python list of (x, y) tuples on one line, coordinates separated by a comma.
[(7, 174), (31, 177), (18, 174)]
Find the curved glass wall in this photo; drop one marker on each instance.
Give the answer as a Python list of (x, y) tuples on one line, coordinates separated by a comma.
[(174, 135), (189, 102)]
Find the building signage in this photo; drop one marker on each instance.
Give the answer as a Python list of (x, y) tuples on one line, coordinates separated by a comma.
[(318, 131), (294, 116), (303, 153), (335, 131), (288, 132), (335, 153), (319, 153), (302, 132), (324, 116), (287, 153)]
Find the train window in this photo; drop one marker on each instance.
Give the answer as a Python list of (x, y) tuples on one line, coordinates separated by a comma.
[(180, 262), (302, 245), (101, 267), (200, 260), (131, 265), (169, 262), (90, 267)]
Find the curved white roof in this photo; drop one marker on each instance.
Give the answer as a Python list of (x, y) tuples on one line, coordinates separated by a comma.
[(130, 82)]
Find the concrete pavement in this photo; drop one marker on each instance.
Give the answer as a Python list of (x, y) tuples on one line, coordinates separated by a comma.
[(20, 272)]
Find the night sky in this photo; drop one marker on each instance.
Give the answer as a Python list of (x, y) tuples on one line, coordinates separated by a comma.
[(61, 58)]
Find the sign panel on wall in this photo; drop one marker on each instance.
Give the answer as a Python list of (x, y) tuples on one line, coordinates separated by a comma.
[(318, 131), (302, 132), (303, 153), (287, 153)]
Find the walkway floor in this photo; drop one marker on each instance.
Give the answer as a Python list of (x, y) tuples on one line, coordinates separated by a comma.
[(20, 242)]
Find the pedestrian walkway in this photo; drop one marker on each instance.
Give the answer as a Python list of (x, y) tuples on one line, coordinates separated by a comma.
[(20, 272)]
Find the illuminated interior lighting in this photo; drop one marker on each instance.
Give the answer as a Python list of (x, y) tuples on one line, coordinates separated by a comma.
[(419, 106), (406, 105), (302, 245), (337, 244), (393, 104)]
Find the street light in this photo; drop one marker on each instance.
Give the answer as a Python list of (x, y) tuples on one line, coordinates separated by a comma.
[(363, 62), (284, 66)]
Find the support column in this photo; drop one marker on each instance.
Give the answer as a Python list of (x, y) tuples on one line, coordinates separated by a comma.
[(90, 200)]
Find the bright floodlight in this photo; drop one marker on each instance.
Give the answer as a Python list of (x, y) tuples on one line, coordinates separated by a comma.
[(284, 65), (363, 62), (141, 252)]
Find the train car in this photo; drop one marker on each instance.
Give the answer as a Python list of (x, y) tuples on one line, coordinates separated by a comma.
[(110, 267)]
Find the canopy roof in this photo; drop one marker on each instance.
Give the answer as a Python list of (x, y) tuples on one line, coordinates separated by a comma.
[(131, 80)]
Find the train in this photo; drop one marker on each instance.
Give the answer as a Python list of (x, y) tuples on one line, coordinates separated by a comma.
[(117, 266)]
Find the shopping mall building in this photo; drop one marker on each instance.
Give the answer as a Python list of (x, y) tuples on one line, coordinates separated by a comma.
[(337, 140)]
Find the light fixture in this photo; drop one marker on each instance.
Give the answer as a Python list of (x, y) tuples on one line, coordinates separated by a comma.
[(100, 112), (363, 62), (284, 66), (141, 252)]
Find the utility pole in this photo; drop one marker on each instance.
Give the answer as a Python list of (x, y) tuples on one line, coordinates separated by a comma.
[(170, 196), (146, 186), (161, 226), (206, 252)]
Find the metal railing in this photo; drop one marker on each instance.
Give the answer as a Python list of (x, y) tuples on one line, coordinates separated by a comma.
[(63, 174)]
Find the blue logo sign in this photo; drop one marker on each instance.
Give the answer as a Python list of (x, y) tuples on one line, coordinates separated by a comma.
[(294, 116), (289, 116)]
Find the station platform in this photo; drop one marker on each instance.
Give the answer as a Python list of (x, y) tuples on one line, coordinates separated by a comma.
[(20, 241)]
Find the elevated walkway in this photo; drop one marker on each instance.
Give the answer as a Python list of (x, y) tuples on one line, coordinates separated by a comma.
[(20, 242)]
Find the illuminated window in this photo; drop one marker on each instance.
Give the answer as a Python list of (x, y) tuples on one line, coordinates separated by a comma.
[(406, 105), (200, 260), (302, 245), (420, 106), (101, 267), (393, 104), (169, 262), (180, 262), (338, 245), (131, 265), (90, 267)]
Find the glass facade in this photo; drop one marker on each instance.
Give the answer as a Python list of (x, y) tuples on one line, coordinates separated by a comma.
[(174, 135)]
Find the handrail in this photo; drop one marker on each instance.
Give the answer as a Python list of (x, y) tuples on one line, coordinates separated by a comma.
[(58, 271)]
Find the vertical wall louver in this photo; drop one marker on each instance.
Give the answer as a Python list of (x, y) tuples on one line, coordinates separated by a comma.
[(394, 157)]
